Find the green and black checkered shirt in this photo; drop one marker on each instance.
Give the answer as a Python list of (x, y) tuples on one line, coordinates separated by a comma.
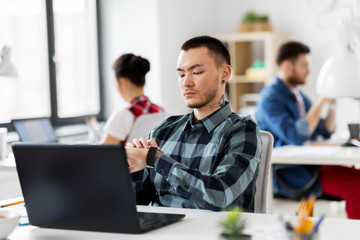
[(211, 164)]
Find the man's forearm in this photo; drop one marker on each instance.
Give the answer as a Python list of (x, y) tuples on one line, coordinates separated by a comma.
[(330, 120), (313, 115)]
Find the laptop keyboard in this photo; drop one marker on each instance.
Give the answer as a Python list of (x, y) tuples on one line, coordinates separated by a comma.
[(148, 224), (150, 221)]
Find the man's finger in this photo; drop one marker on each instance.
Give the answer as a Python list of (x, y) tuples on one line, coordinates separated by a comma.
[(152, 142), (144, 142), (137, 143)]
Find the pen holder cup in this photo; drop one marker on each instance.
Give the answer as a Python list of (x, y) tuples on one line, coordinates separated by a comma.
[(8, 222), (302, 236)]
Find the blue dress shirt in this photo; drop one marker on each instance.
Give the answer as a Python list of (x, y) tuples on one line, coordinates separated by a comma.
[(277, 112)]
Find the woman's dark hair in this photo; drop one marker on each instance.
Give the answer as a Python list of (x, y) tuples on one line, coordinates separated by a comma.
[(132, 67), (291, 51)]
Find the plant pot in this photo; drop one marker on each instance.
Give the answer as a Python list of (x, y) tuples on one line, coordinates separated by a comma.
[(243, 237), (246, 27), (255, 27)]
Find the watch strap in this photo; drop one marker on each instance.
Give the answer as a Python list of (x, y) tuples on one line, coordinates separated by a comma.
[(151, 156)]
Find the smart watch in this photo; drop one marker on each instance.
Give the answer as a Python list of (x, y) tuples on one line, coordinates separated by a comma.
[(150, 158)]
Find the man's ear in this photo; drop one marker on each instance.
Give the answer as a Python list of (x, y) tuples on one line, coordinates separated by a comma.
[(286, 66), (225, 72)]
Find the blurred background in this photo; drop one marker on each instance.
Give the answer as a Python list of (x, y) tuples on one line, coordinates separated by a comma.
[(62, 51)]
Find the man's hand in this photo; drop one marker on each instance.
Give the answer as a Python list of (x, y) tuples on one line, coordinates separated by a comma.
[(141, 143), (137, 151), (313, 115), (136, 158)]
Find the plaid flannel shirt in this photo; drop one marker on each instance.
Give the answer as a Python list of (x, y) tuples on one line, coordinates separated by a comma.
[(211, 164)]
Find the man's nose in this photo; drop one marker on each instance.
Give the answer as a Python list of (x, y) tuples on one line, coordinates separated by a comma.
[(188, 80)]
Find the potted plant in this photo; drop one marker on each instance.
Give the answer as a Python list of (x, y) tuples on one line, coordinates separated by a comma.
[(233, 226), (252, 22)]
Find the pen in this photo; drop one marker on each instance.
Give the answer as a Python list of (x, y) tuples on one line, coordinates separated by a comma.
[(286, 223), (11, 204), (304, 223), (318, 224)]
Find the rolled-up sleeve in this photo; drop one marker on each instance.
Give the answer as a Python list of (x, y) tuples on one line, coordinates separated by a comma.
[(302, 127)]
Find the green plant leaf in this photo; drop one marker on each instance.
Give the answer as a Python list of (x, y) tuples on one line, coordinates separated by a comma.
[(233, 224)]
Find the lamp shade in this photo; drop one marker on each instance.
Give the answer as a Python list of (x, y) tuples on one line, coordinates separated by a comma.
[(340, 76)]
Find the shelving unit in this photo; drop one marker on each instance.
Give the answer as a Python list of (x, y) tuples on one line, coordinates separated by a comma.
[(244, 49)]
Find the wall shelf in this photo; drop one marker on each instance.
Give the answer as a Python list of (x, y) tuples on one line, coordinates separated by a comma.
[(245, 48)]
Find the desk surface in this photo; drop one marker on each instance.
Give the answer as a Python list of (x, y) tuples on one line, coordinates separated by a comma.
[(8, 163), (198, 224), (316, 155)]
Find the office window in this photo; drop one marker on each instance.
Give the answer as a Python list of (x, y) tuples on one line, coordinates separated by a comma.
[(77, 74), (23, 30), (54, 50)]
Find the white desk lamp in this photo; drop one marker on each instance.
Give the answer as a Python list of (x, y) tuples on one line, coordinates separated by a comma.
[(340, 74), (339, 77), (6, 67)]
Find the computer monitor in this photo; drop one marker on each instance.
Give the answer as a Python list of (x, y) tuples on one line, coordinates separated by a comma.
[(35, 130)]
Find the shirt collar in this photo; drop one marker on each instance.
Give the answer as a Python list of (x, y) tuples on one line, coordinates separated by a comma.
[(214, 119), (283, 89), (138, 99)]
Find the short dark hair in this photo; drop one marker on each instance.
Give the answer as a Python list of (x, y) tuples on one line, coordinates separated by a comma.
[(132, 67), (290, 51), (215, 46)]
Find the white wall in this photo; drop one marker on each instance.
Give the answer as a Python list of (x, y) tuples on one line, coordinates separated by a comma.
[(157, 28), (129, 26), (179, 21)]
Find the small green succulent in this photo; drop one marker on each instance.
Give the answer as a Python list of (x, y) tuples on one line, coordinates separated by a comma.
[(233, 225), (249, 17), (252, 16)]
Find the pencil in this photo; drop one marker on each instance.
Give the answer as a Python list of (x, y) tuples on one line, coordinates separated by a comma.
[(11, 204)]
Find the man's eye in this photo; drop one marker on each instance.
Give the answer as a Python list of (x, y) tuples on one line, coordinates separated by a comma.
[(181, 75), (197, 73)]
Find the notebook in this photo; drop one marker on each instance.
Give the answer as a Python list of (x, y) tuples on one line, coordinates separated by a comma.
[(81, 187), (35, 130)]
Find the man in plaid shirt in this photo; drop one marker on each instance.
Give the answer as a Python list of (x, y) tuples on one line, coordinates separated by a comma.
[(209, 158)]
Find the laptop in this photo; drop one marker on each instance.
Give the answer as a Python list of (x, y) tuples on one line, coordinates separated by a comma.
[(35, 130), (81, 187)]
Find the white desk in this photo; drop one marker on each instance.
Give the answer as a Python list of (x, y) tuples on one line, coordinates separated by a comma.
[(8, 163), (316, 155), (312, 155), (198, 224)]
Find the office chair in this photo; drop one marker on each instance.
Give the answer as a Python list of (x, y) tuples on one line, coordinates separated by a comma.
[(145, 123), (298, 193), (262, 180)]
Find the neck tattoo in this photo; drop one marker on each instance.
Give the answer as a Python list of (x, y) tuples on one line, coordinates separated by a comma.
[(220, 103)]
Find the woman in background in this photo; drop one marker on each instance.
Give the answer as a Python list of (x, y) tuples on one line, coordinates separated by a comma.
[(130, 71)]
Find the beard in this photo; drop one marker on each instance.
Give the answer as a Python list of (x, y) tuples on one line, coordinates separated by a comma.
[(295, 80), (207, 97)]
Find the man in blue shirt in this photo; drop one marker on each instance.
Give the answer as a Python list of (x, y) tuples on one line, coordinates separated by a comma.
[(209, 158), (289, 115)]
